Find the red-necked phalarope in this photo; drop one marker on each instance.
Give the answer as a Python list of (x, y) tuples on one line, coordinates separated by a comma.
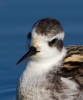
[(53, 72)]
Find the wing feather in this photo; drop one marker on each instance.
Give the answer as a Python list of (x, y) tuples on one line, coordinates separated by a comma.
[(73, 64)]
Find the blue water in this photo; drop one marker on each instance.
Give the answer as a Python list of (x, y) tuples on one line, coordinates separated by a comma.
[(16, 20)]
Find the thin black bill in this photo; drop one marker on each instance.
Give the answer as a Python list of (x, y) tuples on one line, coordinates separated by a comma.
[(32, 51)]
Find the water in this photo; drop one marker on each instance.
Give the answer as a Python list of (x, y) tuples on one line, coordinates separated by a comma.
[(16, 20)]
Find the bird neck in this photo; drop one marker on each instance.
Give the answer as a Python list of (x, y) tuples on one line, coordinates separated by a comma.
[(45, 65)]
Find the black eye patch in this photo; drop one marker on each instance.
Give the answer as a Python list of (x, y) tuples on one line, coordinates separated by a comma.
[(29, 35), (56, 43), (59, 44), (52, 42)]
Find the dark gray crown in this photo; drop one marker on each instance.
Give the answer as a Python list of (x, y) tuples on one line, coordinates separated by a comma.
[(48, 25)]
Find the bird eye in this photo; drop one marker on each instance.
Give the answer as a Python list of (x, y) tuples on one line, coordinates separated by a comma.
[(29, 35), (53, 41)]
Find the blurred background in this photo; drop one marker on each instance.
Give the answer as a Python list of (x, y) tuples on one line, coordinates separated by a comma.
[(16, 20)]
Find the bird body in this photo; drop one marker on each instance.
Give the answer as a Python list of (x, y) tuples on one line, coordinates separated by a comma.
[(49, 73)]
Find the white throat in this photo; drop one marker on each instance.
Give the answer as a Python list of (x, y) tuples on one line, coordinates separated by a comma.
[(45, 65)]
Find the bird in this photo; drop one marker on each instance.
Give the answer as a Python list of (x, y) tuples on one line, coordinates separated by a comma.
[(53, 71)]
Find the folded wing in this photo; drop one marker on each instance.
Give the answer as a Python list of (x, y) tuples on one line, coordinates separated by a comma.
[(73, 64)]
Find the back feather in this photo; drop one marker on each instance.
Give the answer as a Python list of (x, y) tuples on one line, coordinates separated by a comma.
[(73, 64)]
